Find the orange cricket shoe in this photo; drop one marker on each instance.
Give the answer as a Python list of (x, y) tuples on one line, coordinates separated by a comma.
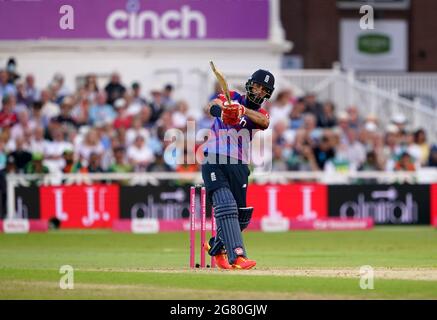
[(221, 259), (243, 263)]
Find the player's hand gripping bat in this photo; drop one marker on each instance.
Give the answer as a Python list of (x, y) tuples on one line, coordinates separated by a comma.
[(232, 111)]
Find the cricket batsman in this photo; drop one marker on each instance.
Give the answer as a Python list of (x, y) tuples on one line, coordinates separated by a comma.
[(225, 172)]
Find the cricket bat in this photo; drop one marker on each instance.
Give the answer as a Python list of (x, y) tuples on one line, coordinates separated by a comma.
[(222, 81)]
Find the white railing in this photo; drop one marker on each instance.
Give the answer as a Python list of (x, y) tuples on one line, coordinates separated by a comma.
[(344, 90), (13, 180), (411, 83)]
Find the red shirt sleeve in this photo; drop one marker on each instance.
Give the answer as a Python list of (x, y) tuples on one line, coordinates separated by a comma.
[(264, 112)]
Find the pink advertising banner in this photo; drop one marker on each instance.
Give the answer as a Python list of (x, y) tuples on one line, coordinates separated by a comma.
[(134, 19)]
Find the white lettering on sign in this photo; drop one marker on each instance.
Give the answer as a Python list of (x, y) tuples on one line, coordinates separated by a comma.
[(172, 24)]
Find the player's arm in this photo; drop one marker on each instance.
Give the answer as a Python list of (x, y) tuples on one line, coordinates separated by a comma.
[(260, 119)]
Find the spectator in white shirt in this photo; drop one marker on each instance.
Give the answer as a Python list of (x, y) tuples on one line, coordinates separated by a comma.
[(139, 155)]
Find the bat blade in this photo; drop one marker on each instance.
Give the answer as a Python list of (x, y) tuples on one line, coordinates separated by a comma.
[(222, 81)]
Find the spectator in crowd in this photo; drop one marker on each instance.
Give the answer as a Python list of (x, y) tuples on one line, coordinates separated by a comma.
[(432, 162), (353, 151), (354, 119), (323, 152), (327, 118), (3, 155), (422, 145), (114, 89), (53, 152), (405, 163), (69, 165), (123, 119), (296, 114), (278, 162), (159, 164), (91, 144), (61, 89), (400, 121), (6, 88), (312, 105), (80, 112), (135, 101), (64, 118), (120, 163), (180, 115), (20, 155), (371, 163), (303, 160), (36, 117), (136, 130), (156, 104), (281, 107), (101, 111), (49, 108), (205, 121), (139, 155), (22, 127), (167, 97), (31, 94), (91, 85), (94, 165), (7, 115), (36, 165)]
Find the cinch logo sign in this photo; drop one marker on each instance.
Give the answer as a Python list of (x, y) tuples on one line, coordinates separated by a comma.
[(172, 24)]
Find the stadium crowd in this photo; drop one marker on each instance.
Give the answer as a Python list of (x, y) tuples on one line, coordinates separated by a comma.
[(51, 128)]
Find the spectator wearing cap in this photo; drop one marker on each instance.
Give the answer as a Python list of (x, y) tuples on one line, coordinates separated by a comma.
[(123, 119), (101, 111), (114, 89), (7, 115), (400, 121)]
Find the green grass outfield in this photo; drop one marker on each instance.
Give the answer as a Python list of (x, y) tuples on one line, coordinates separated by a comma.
[(293, 265)]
